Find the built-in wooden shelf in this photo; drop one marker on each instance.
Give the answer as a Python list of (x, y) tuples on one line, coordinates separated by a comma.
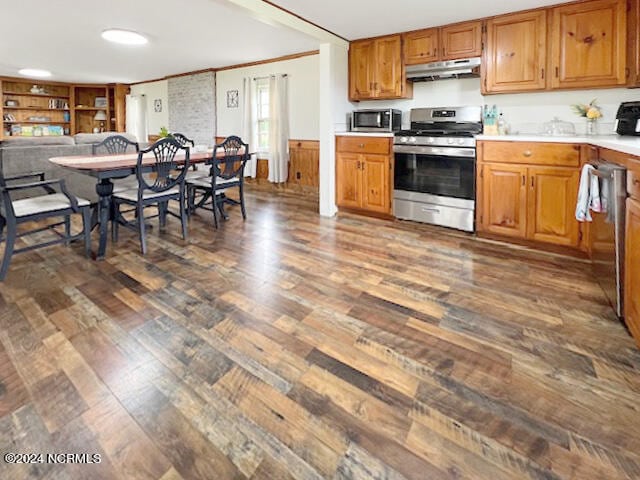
[(37, 108), (27, 94), (91, 109), (49, 122)]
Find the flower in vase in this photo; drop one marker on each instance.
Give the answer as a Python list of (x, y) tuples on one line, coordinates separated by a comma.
[(591, 110)]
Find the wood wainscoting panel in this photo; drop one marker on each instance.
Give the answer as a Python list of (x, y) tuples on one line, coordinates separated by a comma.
[(304, 163)]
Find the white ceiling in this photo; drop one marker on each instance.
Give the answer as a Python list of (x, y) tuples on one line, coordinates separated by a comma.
[(63, 36), (353, 19)]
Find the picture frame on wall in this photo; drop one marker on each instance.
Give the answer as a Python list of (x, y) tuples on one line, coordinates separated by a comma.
[(100, 102), (232, 98), (157, 105)]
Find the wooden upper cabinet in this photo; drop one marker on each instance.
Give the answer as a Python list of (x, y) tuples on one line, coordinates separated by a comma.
[(376, 69), (632, 269), (389, 81), (551, 204), (463, 40), (362, 67), (421, 47), (515, 53), (633, 43), (504, 201), (588, 46)]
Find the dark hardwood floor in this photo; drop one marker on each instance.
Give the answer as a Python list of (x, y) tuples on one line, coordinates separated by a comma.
[(297, 347)]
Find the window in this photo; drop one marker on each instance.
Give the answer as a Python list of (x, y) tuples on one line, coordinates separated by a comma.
[(262, 88)]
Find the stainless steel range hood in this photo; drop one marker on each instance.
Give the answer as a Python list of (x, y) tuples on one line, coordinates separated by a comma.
[(469, 67)]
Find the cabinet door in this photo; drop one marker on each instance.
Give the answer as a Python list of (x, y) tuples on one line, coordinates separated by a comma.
[(632, 269), (389, 78), (552, 204), (589, 44), (375, 183), (633, 43), (362, 68), (515, 57), (463, 40), (348, 180), (504, 199), (421, 47)]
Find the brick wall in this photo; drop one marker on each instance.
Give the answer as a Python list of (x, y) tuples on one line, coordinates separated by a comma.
[(192, 106)]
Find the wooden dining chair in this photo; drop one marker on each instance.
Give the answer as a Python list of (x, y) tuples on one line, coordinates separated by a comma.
[(116, 144), (226, 171), (53, 204), (167, 183)]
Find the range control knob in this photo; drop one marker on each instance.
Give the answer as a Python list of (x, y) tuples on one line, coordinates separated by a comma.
[(461, 141), (431, 140), (413, 140), (450, 141), (404, 139)]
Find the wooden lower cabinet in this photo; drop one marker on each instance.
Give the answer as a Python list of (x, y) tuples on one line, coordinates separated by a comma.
[(551, 205), (530, 202), (375, 183), (364, 173), (348, 180), (504, 199), (632, 269)]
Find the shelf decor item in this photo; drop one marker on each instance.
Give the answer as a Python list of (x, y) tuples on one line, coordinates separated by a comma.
[(100, 102), (591, 113)]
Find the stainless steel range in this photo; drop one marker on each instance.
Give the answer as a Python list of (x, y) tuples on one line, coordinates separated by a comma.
[(435, 164)]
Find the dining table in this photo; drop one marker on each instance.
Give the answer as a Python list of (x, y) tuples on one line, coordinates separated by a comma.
[(106, 168)]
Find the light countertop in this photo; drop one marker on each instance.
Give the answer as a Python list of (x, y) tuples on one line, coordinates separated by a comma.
[(365, 134), (629, 145)]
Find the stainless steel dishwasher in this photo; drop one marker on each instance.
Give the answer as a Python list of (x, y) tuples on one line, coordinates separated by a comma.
[(608, 235)]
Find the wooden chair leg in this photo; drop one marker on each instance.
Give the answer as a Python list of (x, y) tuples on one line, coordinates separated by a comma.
[(142, 228), (86, 229), (162, 213), (10, 241), (115, 223), (244, 211), (67, 230), (183, 215), (214, 204)]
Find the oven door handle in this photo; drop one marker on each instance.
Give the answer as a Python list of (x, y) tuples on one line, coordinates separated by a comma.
[(467, 153)]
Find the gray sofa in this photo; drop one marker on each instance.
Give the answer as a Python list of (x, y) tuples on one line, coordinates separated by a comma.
[(31, 154)]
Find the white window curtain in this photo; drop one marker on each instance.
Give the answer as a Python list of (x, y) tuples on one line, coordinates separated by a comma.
[(249, 128), (278, 128), (136, 117)]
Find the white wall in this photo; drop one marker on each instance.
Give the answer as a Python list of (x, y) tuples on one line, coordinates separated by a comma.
[(153, 91), (525, 112), (304, 87)]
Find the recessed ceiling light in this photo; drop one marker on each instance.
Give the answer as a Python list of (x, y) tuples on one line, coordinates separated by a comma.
[(34, 72), (125, 37)]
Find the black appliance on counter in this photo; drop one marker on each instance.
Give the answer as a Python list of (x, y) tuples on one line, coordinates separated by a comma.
[(628, 119)]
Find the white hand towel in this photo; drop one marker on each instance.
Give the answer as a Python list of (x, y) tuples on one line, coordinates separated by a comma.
[(584, 199), (595, 202)]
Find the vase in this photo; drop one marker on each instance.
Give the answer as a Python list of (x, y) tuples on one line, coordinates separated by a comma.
[(592, 126)]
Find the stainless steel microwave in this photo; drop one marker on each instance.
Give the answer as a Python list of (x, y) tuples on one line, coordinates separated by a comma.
[(376, 120)]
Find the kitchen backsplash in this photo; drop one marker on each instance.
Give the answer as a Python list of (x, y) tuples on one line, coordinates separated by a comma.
[(524, 112)]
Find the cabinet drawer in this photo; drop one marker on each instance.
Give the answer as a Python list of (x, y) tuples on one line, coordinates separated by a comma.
[(558, 154), (376, 145), (633, 178)]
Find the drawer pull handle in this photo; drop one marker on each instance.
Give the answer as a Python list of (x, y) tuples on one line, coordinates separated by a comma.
[(636, 181), (430, 210), (527, 153), (361, 145)]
